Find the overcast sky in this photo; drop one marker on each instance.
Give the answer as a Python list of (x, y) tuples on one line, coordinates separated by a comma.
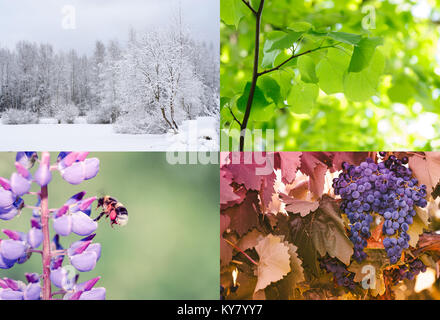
[(42, 20)]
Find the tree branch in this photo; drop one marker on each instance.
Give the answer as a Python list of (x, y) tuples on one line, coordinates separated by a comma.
[(254, 75), (249, 6), (233, 115), (293, 57)]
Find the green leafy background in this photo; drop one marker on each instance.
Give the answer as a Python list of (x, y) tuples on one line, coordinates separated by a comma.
[(378, 90), (168, 250)]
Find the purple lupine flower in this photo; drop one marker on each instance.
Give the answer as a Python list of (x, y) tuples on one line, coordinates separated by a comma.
[(43, 175), (7, 200), (21, 180), (35, 237), (85, 291), (82, 256), (26, 159), (12, 249), (17, 290), (8, 214), (75, 168), (72, 217)]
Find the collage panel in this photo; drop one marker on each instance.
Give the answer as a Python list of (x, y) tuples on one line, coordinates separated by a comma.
[(329, 226), (111, 225), (338, 75), (109, 75)]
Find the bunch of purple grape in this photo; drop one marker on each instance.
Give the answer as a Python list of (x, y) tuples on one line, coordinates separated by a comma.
[(408, 271), (386, 188), (342, 276)]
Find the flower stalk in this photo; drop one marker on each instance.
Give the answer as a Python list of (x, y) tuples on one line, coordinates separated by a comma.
[(46, 243)]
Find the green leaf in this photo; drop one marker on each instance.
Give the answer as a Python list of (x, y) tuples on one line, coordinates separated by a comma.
[(231, 12), (402, 89), (306, 67), (360, 86), (286, 41), (302, 97), (331, 70), (300, 26), (258, 102), (363, 53), (348, 38), (271, 89), (270, 56)]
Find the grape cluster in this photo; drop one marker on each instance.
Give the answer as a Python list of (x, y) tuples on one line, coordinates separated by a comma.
[(343, 277), (407, 271), (386, 188)]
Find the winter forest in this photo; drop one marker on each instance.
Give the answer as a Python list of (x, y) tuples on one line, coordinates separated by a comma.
[(149, 84)]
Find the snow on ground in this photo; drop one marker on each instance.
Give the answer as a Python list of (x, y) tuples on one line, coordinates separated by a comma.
[(194, 135)]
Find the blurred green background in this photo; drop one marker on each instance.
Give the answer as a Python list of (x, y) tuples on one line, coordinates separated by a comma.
[(169, 248)]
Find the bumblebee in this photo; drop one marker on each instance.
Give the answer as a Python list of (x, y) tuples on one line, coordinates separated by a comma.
[(114, 209)]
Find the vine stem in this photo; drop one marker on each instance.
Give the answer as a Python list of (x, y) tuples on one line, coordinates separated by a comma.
[(46, 243), (238, 249)]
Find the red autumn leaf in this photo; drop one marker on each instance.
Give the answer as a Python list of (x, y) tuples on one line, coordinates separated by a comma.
[(255, 171), (426, 168), (289, 163), (244, 216), (227, 194), (303, 207)]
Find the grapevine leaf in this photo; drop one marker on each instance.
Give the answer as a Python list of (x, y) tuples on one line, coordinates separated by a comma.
[(244, 216), (249, 240), (302, 207), (376, 260), (319, 233), (420, 222), (329, 233), (225, 249), (289, 162), (426, 168), (354, 158), (315, 164), (306, 67), (286, 287), (254, 175), (227, 194), (274, 262), (363, 53), (303, 97)]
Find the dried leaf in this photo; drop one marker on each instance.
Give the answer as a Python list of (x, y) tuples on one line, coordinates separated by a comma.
[(274, 261)]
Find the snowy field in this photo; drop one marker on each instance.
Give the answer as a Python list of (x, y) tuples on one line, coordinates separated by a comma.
[(194, 135)]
